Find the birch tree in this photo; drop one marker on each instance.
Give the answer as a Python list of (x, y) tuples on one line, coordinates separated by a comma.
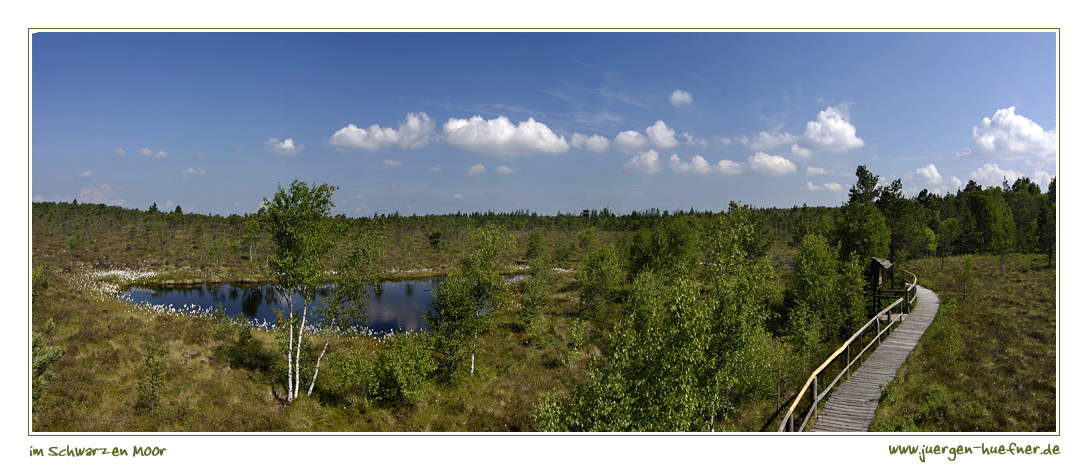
[(464, 300), (299, 223)]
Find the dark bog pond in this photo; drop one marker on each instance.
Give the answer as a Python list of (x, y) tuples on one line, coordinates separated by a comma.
[(397, 306)]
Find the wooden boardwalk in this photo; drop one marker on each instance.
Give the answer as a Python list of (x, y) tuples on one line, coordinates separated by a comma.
[(851, 406)]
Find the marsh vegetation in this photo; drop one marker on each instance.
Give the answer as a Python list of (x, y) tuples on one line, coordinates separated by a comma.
[(674, 321)]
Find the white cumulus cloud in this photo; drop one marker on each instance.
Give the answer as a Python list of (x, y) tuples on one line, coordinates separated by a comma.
[(991, 175), (828, 186), (832, 131), (119, 152), (501, 137), (287, 147), (505, 170), (698, 165), (435, 169), (658, 135), (815, 170), (834, 187), (1010, 135), (662, 136), (84, 175), (630, 141), (729, 167), (414, 132), (1042, 179), (930, 173), (148, 153), (644, 162), (956, 183), (771, 164), (680, 98), (191, 171), (388, 164), (476, 169), (594, 143)]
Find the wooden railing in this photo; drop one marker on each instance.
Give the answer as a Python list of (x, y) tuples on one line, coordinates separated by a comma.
[(908, 294)]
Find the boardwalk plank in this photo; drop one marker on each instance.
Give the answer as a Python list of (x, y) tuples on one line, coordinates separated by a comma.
[(851, 406)]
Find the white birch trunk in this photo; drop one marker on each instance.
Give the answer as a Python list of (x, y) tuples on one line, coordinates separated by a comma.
[(472, 358), (298, 350), (316, 365), (290, 340)]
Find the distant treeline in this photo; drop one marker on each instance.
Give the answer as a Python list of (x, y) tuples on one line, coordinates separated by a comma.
[(876, 220)]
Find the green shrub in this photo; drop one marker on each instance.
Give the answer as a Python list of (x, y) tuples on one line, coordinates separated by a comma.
[(599, 278), (44, 358), (536, 246), (40, 275), (149, 387), (533, 300), (403, 364), (588, 239), (348, 377)]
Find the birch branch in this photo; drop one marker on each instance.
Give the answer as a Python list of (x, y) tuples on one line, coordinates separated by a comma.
[(316, 365)]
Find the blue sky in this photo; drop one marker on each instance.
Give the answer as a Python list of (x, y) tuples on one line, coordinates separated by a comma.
[(543, 121)]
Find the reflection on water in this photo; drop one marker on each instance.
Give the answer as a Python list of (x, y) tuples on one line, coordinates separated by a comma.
[(395, 305)]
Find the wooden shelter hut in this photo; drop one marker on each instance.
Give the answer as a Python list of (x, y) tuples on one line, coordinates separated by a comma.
[(881, 274)]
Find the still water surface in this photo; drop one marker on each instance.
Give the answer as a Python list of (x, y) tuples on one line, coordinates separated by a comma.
[(398, 305)]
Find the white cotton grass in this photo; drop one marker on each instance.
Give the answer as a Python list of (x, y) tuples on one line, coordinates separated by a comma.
[(410, 271)]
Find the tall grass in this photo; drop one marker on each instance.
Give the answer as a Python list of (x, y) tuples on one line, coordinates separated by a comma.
[(988, 361)]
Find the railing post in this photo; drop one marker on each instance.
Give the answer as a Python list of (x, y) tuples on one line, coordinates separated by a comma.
[(847, 361), (790, 422), (816, 387)]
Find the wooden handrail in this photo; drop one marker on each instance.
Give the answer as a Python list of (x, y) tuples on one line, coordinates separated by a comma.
[(810, 383)]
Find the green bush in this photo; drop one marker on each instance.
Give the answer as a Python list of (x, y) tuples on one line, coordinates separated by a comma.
[(150, 385), (536, 246), (404, 362), (587, 239), (599, 278), (44, 358), (40, 275), (348, 377), (533, 300)]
